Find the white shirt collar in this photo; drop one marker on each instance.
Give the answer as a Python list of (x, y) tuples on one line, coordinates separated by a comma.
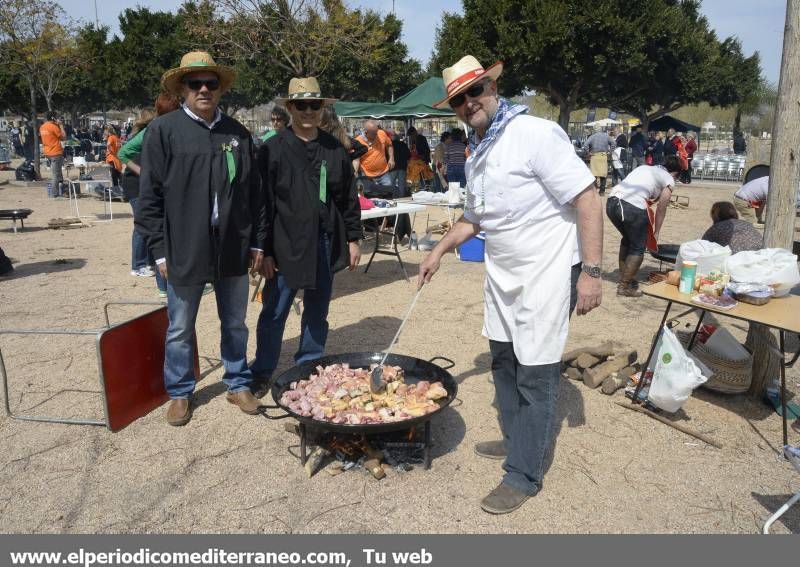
[(193, 116)]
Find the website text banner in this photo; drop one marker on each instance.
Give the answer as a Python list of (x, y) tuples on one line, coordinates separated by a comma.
[(391, 550)]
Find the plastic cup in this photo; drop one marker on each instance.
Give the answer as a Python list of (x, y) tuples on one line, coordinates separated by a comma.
[(688, 272)]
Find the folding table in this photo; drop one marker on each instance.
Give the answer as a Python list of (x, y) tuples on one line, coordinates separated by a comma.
[(381, 212), (781, 314), (130, 365)]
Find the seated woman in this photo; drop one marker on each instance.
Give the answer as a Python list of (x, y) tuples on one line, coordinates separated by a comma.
[(729, 230), (628, 208)]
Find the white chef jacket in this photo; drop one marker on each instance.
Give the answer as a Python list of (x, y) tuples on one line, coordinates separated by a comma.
[(526, 182)]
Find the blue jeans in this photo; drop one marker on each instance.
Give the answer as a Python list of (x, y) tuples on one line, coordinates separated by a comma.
[(527, 399), (386, 180), (277, 302), (182, 305), (400, 187), (140, 254), (456, 173)]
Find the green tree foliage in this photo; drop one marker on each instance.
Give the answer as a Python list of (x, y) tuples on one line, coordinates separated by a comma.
[(299, 36), (380, 75), (30, 33), (642, 57), (151, 43), (86, 87)]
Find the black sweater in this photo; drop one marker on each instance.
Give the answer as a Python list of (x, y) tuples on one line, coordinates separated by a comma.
[(290, 171), (183, 166)]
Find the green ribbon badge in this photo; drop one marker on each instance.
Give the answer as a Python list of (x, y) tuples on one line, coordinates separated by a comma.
[(229, 159), (323, 182)]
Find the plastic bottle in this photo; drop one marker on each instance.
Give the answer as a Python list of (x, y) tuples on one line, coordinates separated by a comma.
[(50, 190), (412, 241)]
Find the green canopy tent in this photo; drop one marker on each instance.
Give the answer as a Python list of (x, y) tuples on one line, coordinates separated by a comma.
[(417, 103)]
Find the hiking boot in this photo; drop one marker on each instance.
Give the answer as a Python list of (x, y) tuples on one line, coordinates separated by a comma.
[(245, 400), (503, 499), (627, 290), (260, 386), (628, 286), (491, 450), (179, 412)]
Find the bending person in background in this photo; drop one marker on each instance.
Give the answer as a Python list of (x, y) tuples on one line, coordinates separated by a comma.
[(628, 208), (751, 199), (729, 230), (129, 155)]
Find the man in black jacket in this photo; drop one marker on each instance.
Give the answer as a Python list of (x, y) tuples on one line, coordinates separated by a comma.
[(313, 228), (202, 212)]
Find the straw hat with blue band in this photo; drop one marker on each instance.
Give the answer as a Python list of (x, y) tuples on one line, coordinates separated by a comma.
[(305, 88), (196, 62)]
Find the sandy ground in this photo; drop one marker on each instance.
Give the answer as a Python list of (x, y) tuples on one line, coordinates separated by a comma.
[(612, 470)]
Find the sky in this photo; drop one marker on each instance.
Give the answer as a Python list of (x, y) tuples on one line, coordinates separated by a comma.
[(758, 24)]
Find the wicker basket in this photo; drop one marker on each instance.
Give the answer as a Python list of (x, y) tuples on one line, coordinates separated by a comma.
[(730, 376)]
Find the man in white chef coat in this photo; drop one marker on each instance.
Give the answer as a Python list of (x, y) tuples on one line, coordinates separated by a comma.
[(534, 198)]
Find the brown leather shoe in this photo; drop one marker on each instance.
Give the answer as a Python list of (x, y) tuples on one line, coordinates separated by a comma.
[(179, 412), (503, 499), (246, 401), (491, 450)]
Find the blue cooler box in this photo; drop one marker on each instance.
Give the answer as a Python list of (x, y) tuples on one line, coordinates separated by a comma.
[(473, 249)]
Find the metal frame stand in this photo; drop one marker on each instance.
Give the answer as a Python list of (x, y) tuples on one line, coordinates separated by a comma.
[(98, 333), (392, 252), (781, 353)]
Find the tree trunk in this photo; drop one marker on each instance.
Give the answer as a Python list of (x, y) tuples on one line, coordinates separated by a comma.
[(35, 122), (564, 110), (783, 181)]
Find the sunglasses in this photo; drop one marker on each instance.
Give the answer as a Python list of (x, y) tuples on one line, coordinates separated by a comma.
[(473, 91), (197, 84), (302, 105)]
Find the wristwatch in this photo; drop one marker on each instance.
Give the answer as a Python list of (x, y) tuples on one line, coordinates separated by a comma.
[(591, 271)]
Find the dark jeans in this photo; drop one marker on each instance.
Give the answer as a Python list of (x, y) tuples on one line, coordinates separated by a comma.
[(115, 175), (686, 175), (277, 302), (56, 163), (140, 254), (527, 399), (631, 222), (456, 173)]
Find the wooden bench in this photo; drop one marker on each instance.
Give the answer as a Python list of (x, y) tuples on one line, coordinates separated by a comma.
[(14, 214)]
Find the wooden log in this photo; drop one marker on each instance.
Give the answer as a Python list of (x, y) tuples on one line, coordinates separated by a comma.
[(574, 374), (678, 426), (315, 460), (617, 380), (375, 469), (593, 377), (585, 361), (603, 351)]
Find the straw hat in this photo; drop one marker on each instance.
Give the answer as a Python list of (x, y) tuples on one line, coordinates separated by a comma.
[(194, 62), (466, 72), (306, 88)]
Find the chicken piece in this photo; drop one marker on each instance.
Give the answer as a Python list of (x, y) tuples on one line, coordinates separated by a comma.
[(436, 391)]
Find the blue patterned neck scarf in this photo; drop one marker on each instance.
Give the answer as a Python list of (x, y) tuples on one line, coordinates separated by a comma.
[(505, 112)]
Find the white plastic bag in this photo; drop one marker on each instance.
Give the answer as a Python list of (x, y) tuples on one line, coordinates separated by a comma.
[(709, 256), (770, 266), (723, 343), (675, 374)]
